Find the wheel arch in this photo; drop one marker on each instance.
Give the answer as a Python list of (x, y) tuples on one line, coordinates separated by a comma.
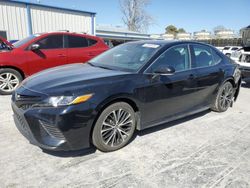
[(111, 100), (14, 68)]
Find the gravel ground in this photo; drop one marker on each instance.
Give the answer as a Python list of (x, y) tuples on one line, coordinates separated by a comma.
[(206, 150)]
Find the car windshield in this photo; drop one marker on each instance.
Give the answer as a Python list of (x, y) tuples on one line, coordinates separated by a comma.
[(126, 57), (25, 40)]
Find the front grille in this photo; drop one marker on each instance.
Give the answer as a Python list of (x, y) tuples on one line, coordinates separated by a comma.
[(52, 130), (26, 106)]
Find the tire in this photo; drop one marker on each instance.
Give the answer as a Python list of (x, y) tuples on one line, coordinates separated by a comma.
[(224, 98), (9, 80), (228, 55), (113, 135)]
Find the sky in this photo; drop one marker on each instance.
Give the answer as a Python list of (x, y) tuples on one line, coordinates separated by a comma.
[(192, 15)]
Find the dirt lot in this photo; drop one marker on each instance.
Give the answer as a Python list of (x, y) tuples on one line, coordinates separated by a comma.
[(205, 150)]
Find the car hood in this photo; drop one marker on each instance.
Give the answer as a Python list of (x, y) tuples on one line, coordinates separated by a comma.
[(68, 78), (6, 42)]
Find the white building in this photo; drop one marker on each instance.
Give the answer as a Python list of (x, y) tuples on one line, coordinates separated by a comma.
[(224, 34), (184, 36), (20, 19), (202, 35)]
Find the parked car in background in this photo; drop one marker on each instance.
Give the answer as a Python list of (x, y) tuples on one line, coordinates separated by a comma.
[(4, 44), (242, 57), (132, 86), (41, 51), (227, 50)]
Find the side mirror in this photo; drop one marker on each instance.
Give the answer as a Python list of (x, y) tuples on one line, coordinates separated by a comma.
[(35, 47), (165, 70)]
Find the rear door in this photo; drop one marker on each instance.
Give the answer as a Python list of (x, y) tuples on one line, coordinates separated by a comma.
[(206, 62), (50, 54), (80, 48)]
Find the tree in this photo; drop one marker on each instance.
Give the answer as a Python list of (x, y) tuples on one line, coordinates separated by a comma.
[(181, 30), (219, 28), (135, 16), (171, 29)]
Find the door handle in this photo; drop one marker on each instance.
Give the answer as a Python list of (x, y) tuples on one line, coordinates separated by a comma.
[(61, 55)]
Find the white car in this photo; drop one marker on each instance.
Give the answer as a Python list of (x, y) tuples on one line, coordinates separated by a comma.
[(242, 57), (228, 50)]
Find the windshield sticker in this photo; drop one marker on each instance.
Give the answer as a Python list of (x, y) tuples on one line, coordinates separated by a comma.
[(150, 45)]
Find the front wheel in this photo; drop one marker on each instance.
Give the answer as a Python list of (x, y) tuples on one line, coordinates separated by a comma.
[(9, 80), (114, 127), (224, 98)]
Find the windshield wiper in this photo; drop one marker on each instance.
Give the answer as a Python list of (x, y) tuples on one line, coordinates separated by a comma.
[(103, 67)]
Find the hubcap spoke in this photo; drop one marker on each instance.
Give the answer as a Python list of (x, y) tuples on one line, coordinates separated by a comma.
[(116, 128), (8, 82)]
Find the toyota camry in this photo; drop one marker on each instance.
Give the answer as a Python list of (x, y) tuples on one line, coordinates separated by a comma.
[(131, 87)]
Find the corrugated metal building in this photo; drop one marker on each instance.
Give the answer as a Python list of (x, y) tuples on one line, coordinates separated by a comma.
[(19, 19)]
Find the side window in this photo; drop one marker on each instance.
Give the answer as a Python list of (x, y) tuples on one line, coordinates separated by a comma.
[(91, 42), (177, 57), (51, 42), (77, 42), (203, 56), (216, 58)]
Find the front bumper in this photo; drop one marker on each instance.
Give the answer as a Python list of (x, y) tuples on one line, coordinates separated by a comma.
[(61, 128)]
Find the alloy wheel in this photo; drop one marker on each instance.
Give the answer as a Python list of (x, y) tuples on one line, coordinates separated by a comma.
[(8, 82), (117, 127), (226, 96)]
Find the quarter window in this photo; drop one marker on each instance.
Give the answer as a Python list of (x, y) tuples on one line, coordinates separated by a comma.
[(204, 56), (77, 42), (176, 57), (91, 42), (51, 42)]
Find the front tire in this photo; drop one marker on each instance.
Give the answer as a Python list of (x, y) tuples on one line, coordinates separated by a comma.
[(224, 98), (9, 80), (115, 127)]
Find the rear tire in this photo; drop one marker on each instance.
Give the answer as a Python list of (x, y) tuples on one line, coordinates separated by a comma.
[(114, 128), (9, 80), (224, 98)]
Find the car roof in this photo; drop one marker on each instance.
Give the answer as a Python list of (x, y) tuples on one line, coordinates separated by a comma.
[(64, 32), (169, 42)]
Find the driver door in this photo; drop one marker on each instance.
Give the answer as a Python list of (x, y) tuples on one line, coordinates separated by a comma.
[(170, 95), (51, 53)]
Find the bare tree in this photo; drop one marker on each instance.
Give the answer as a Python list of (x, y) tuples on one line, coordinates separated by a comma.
[(135, 16)]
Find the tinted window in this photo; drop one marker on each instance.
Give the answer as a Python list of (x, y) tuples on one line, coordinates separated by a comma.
[(91, 42), (176, 57), (203, 56), (234, 49), (127, 57), (226, 48), (77, 42), (51, 42), (25, 40)]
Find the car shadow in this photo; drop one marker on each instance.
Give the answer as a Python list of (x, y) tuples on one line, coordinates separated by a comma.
[(77, 153)]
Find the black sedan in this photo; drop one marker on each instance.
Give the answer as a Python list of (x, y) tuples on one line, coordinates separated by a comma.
[(133, 86)]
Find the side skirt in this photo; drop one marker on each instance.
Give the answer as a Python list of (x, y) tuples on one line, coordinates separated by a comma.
[(172, 118)]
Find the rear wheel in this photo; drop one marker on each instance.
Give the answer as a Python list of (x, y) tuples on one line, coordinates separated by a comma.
[(224, 98), (9, 80), (114, 127)]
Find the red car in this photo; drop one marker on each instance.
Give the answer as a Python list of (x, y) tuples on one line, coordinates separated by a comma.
[(42, 51)]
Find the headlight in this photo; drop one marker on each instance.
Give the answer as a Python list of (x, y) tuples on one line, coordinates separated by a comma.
[(66, 100)]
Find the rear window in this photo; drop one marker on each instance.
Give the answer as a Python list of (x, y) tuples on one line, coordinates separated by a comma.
[(77, 42)]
